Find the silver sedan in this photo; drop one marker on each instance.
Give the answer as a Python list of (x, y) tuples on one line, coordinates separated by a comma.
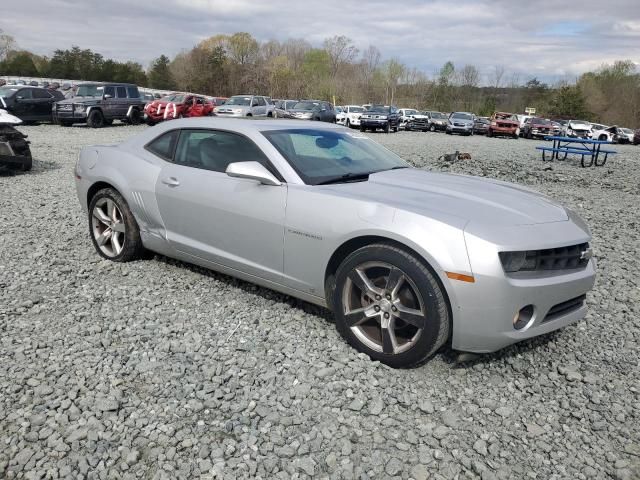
[(407, 260)]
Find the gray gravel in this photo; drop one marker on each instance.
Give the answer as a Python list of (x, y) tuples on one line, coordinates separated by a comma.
[(156, 369)]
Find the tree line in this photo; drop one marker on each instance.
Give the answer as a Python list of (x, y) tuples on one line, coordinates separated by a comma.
[(224, 65)]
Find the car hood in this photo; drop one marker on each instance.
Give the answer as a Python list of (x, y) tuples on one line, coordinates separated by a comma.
[(579, 126), (461, 120), (474, 199), (80, 100)]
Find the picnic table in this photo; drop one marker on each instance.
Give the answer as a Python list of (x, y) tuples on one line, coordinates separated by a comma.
[(591, 151)]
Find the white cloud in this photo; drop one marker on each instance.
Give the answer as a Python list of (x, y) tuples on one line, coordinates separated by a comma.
[(523, 36)]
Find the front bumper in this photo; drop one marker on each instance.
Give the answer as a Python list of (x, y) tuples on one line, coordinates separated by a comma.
[(69, 115), (504, 130), (458, 129), (373, 123), (485, 309), (231, 114)]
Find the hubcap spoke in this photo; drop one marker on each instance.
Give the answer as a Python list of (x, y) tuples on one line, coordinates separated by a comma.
[(104, 237), (117, 245), (101, 216), (359, 316), (388, 336), (118, 227), (394, 281), (410, 315), (111, 210), (360, 279)]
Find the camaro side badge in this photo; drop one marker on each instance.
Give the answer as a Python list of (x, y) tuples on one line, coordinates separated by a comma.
[(586, 254)]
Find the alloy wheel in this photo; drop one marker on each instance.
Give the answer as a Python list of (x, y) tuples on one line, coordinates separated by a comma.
[(383, 307), (108, 227)]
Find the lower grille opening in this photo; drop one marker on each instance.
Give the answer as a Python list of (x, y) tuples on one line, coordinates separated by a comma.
[(564, 308)]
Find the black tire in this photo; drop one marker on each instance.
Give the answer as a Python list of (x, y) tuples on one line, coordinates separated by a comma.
[(135, 118), (64, 123), (489, 133), (28, 164), (387, 128), (432, 128), (150, 122), (395, 129), (95, 119), (270, 115), (132, 248), (436, 327), (348, 124), (363, 128), (108, 122), (448, 132), (602, 137)]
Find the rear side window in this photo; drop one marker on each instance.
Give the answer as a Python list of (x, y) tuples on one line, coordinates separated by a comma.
[(25, 94), (164, 145), (121, 92), (133, 92), (37, 93)]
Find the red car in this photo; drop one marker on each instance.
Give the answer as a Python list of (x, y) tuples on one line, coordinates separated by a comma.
[(177, 105), (504, 124)]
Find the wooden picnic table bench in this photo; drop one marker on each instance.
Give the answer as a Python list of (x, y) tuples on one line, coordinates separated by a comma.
[(589, 150)]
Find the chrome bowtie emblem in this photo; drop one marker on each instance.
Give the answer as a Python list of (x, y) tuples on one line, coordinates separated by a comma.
[(586, 254)]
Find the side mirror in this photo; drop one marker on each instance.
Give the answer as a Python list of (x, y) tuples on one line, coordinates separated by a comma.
[(252, 171), (19, 97), (106, 95)]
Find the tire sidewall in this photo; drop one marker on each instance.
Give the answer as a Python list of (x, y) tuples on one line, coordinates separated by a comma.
[(437, 317), (95, 119)]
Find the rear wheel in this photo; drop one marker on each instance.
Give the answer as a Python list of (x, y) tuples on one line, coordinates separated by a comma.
[(135, 118), (363, 128), (387, 128), (95, 119), (489, 133), (389, 305), (114, 230)]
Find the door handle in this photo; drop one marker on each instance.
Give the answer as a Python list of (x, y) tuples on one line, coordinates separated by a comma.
[(171, 181)]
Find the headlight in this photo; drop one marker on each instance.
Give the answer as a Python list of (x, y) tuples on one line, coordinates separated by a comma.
[(80, 108), (515, 261), (382, 117), (494, 124)]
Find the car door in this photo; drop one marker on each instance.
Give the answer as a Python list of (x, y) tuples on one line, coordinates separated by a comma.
[(261, 109), (42, 101), (24, 108), (109, 101), (121, 102), (237, 223)]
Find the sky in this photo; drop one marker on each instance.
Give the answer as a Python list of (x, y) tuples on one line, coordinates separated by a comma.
[(549, 39)]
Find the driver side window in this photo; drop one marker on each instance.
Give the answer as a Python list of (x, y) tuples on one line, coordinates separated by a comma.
[(215, 150)]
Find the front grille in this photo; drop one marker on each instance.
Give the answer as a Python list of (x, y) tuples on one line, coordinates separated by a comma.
[(564, 308), (65, 107), (561, 258), (420, 122)]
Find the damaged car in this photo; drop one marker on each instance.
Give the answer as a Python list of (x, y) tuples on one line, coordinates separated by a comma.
[(504, 124), (177, 105), (577, 129), (613, 134), (14, 146)]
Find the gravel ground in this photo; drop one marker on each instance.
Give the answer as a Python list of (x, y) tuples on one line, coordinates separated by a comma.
[(156, 369)]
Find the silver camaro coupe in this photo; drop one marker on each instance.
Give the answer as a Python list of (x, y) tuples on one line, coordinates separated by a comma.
[(406, 259)]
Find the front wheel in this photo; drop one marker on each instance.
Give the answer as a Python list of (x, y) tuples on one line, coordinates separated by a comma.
[(389, 305), (363, 128), (432, 128), (387, 128), (95, 119), (114, 230)]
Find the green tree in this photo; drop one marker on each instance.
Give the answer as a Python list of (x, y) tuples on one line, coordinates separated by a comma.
[(19, 63), (569, 102), (160, 75)]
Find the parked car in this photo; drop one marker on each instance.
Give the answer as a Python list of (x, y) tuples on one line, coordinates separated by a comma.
[(628, 133), (536, 127), (556, 128), (636, 137), (418, 122), (15, 152), (460, 122), (246, 106), (282, 107), (612, 134), (522, 119), (406, 259), (217, 101), (406, 114), (481, 126), (577, 129), (353, 114), (99, 104), (504, 124), (380, 116), (341, 116), (317, 110), (29, 104), (177, 105)]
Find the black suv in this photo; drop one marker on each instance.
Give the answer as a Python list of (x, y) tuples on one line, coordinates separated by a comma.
[(380, 116), (29, 104), (99, 104)]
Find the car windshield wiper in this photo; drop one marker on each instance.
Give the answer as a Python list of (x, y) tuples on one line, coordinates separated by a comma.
[(347, 177)]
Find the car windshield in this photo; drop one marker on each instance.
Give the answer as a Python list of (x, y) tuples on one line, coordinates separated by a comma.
[(462, 116), (356, 109), (90, 91), (506, 116), (305, 105), (329, 156), (239, 100), (438, 115), (482, 120), (7, 91), (626, 130), (410, 112), (541, 121), (378, 109)]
